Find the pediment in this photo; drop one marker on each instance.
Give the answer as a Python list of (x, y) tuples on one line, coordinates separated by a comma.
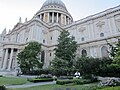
[(81, 29), (100, 23), (118, 20), (17, 26)]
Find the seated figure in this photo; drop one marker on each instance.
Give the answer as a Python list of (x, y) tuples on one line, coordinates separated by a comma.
[(77, 74)]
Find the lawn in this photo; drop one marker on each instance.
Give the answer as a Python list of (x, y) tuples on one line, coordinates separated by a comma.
[(111, 88), (62, 87), (12, 81)]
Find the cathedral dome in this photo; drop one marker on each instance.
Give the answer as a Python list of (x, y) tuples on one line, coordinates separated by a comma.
[(54, 3), (54, 11)]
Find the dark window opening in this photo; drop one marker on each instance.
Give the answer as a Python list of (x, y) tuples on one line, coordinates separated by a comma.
[(43, 41), (101, 34)]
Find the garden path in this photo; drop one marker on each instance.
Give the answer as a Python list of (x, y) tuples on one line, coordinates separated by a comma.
[(30, 85)]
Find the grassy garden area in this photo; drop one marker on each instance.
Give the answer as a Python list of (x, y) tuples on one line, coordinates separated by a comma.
[(92, 86), (82, 84), (111, 88), (62, 87), (13, 81)]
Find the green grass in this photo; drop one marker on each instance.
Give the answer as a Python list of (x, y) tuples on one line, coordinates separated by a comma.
[(111, 88), (12, 81), (61, 87)]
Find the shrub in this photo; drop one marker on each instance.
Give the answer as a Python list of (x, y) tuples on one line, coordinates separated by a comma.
[(40, 80), (62, 82), (66, 77), (75, 81), (1, 75), (91, 77), (81, 81), (2, 87)]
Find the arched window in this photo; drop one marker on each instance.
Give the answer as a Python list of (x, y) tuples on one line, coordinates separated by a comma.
[(104, 52), (82, 39), (42, 56), (84, 52), (101, 34)]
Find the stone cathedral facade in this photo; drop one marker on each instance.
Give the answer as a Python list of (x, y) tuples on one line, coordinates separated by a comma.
[(90, 33)]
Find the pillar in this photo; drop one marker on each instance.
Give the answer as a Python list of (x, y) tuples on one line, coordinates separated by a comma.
[(57, 17), (44, 17), (48, 17), (65, 20), (10, 61), (53, 17), (40, 16), (16, 64), (3, 53), (113, 25), (5, 60)]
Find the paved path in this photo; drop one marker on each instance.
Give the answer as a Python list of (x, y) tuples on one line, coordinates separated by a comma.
[(31, 85)]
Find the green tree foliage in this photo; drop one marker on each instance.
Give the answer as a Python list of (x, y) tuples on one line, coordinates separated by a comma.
[(65, 52), (117, 56), (113, 49), (87, 65), (59, 66), (29, 59), (66, 47)]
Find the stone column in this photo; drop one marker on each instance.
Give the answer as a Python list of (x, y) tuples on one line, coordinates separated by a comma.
[(40, 16), (48, 17), (53, 17), (16, 65), (57, 17), (65, 20), (5, 60), (44, 17), (3, 53), (113, 25), (10, 61)]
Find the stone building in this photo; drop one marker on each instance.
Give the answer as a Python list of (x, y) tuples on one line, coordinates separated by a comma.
[(90, 33)]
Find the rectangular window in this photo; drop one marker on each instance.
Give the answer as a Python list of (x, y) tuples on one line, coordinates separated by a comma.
[(50, 54), (43, 41)]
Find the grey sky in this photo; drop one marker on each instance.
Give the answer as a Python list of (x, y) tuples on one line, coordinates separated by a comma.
[(11, 10)]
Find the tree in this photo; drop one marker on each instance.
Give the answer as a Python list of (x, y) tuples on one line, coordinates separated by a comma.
[(113, 49), (66, 47), (87, 65), (117, 55), (29, 59), (59, 66), (115, 52), (65, 51)]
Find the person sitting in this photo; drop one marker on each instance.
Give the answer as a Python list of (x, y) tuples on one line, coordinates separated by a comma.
[(77, 74)]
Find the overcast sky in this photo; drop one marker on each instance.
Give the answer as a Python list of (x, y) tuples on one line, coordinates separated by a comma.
[(11, 10)]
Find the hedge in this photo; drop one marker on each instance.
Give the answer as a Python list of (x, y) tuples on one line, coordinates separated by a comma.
[(75, 81), (2, 87), (40, 80)]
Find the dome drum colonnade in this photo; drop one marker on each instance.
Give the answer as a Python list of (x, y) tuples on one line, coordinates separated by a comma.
[(54, 11)]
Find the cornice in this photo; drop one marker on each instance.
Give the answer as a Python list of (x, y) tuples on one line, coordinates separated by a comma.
[(95, 16)]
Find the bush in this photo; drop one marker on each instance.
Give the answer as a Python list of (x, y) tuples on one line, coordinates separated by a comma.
[(74, 81), (1, 75), (81, 81), (91, 77), (40, 80), (66, 77), (2, 88), (62, 82)]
